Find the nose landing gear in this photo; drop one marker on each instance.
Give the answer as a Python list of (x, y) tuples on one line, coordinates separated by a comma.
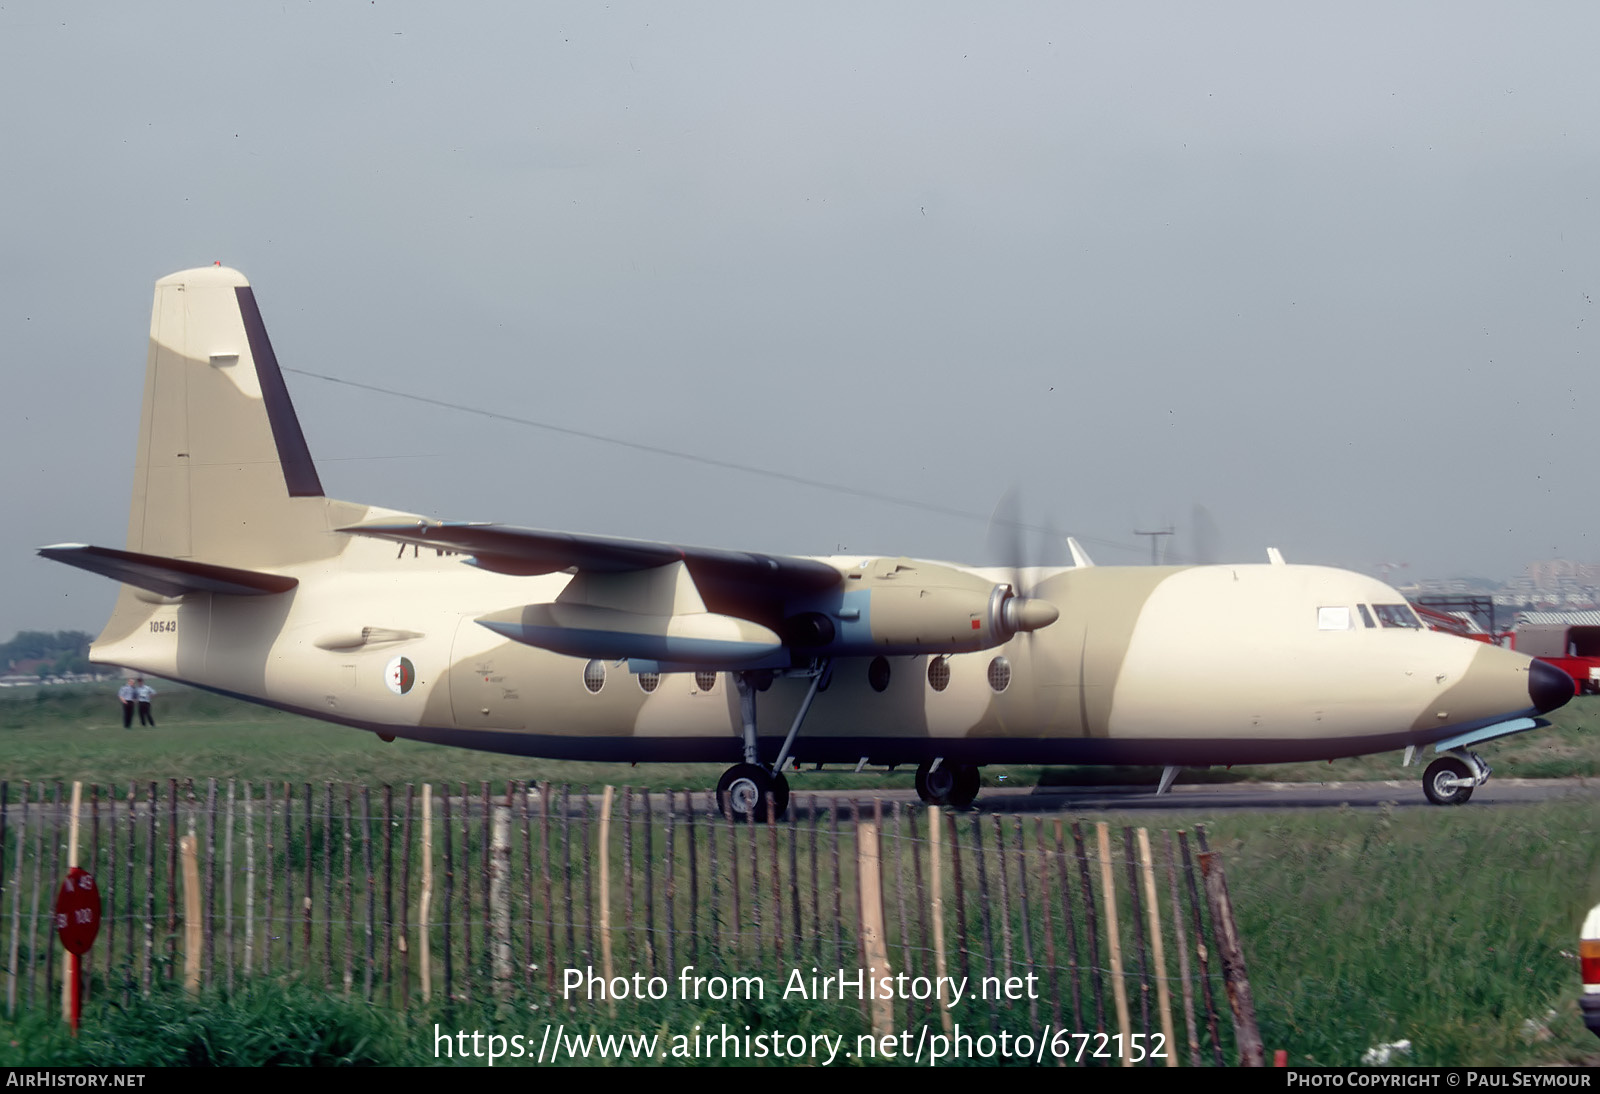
[(1451, 779)]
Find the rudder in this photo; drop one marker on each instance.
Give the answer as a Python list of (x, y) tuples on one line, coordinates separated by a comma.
[(223, 473)]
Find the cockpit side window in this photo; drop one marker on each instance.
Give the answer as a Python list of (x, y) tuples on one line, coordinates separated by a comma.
[(1366, 616), (1333, 619), (1397, 615)]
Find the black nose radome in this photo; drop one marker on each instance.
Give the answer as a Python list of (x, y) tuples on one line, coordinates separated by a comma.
[(1548, 686)]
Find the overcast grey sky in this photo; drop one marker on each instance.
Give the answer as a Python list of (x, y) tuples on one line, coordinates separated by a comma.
[(1326, 270)]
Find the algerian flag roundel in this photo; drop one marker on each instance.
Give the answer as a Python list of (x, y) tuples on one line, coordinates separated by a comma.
[(400, 675)]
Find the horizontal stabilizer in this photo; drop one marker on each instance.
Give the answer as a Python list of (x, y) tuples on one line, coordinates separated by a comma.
[(168, 576)]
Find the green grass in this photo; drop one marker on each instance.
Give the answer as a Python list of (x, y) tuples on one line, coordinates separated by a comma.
[(1449, 928), (277, 1024), (75, 732), (272, 1025), (1453, 929)]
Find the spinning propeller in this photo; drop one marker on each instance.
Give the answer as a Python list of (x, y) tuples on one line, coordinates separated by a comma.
[(1019, 610)]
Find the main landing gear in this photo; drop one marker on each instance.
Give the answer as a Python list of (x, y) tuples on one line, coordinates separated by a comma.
[(939, 783), (744, 790), (1451, 779)]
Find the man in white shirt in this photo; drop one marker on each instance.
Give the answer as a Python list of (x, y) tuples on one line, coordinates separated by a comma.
[(126, 695), (142, 694)]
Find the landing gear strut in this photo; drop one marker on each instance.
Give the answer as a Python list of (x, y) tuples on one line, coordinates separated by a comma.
[(743, 789), (1451, 779), (939, 783)]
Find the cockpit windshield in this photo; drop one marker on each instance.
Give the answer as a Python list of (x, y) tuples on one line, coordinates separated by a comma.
[(1397, 615)]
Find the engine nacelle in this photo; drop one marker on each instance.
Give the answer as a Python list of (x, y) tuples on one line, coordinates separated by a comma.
[(587, 630), (904, 606)]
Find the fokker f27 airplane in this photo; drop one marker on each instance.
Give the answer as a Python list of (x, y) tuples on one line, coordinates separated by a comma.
[(241, 577)]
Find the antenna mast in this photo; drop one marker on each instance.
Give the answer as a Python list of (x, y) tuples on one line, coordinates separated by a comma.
[(1154, 541)]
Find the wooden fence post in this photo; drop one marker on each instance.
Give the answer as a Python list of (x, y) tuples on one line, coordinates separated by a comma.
[(1183, 954), (372, 892), (193, 936), (549, 892), (425, 964), (249, 875), (1119, 990), (1246, 1035), (16, 909), (1202, 952), (328, 902), (308, 905), (670, 897), (405, 904), (1091, 933), (500, 900), (150, 896), (627, 874), (349, 892), (72, 860), (605, 889), (227, 880), (869, 868), (935, 877), (1163, 996)]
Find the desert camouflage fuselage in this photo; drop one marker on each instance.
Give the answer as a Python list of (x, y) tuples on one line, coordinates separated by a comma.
[(241, 577)]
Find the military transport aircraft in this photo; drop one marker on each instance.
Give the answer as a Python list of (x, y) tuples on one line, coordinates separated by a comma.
[(241, 577)]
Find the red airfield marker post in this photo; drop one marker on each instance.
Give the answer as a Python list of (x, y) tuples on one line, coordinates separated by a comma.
[(77, 923), (77, 917)]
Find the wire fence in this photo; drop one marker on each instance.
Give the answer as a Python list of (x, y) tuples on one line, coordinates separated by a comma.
[(1122, 942)]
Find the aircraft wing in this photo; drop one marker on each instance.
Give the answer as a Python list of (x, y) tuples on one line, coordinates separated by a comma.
[(736, 582)]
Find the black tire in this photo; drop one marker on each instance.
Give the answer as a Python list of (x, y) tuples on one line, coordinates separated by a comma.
[(955, 785), (742, 793), (1442, 769), (967, 783), (937, 787)]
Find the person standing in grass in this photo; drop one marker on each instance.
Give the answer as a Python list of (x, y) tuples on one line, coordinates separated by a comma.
[(143, 693), (126, 695)]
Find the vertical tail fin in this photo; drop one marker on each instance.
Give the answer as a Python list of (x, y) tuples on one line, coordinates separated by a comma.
[(223, 473)]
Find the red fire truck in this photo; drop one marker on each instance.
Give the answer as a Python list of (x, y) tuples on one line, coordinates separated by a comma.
[(1568, 640)]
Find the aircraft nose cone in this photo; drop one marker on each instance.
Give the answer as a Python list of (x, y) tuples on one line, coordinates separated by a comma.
[(1548, 686)]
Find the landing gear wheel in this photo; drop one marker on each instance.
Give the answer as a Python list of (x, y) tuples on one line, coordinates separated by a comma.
[(742, 792), (935, 786), (951, 784), (967, 783), (1436, 782)]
